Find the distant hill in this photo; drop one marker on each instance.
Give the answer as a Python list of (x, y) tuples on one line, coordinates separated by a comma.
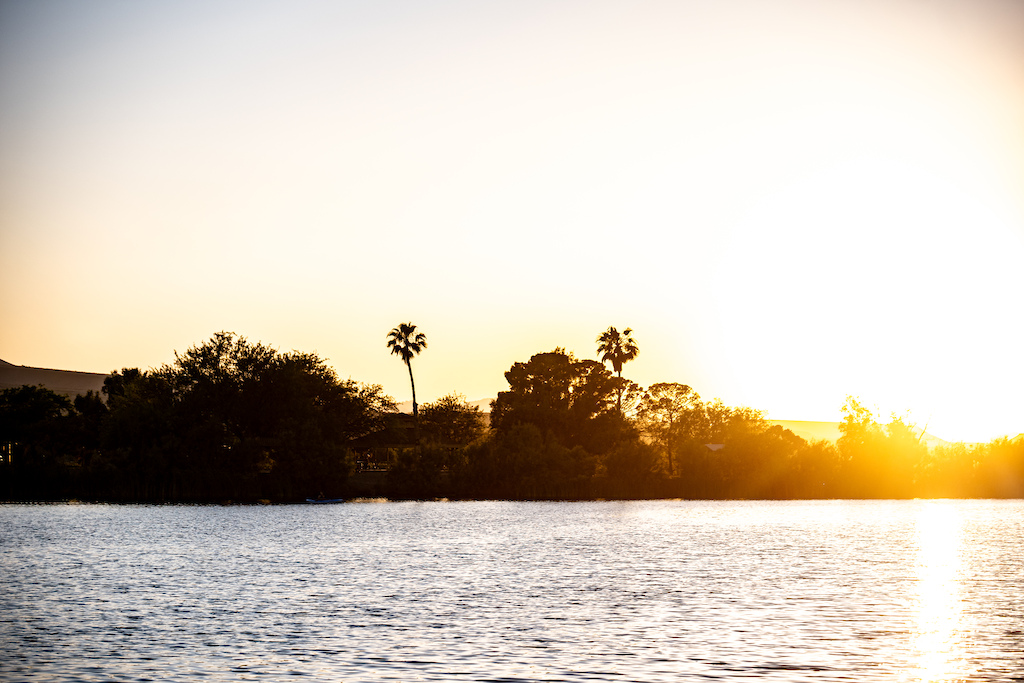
[(829, 431), (811, 431), (67, 382), (805, 429)]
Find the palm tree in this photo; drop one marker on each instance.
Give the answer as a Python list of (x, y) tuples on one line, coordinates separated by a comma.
[(406, 342), (619, 348)]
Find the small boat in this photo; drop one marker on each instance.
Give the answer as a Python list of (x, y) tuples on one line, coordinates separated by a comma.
[(325, 500)]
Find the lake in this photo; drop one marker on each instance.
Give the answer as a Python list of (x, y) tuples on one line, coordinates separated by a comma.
[(505, 591)]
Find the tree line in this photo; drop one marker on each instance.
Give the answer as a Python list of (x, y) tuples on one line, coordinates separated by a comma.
[(240, 421), (228, 420)]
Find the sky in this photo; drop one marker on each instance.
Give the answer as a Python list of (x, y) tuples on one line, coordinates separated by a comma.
[(788, 202)]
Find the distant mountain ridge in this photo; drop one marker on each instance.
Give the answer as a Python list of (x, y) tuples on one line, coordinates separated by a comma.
[(67, 382), (829, 431), (808, 430)]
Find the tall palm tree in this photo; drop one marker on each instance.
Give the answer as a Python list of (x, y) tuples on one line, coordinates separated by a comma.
[(406, 342), (619, 348)]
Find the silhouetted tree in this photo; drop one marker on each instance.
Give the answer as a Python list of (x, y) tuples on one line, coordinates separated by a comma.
[(85, 426), (523, 462), (237, 420), (999, 468), (36, 443), (632, 466), (902, 458), (230, 419), (880, 461), (446, 426), (548, 431), (671, 414), (573, 400), (619, 348), (31, 424), (859, 446), (405, 342), (451, 422), (814, 469), (759, 458)]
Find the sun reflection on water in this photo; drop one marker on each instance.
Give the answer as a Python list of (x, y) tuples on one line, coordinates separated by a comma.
[(939, 633)]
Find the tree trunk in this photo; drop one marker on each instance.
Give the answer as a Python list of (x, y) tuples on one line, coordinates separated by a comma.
[(415, 411), (618, 398)]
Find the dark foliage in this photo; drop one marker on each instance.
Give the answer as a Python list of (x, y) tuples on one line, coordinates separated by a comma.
[(228, 420), (234, 420)]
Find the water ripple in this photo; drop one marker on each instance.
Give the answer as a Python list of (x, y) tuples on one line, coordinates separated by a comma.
[(494, 591)]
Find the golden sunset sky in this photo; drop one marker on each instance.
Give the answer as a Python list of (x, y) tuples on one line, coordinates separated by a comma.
[(787, 201)]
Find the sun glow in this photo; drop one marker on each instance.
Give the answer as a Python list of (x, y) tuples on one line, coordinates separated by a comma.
[(788, 202)]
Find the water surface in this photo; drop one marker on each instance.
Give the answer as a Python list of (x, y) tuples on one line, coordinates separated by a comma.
[(499, 591)]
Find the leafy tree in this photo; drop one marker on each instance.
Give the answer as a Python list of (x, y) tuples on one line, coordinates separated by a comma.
[(238, 420), (723, 422), (619, 348), (573, 400), (670, 414), (451, 421), (526, 463), (140, 415), (447, 426), (632, 465), (31, 424), (85, 426), (879, 460), (903, 457), (814, 470), (629, 395), (989, 470), (1000, 468), (419, 472), (949, 472), (859, 429), (758, 458), (36, 440), (405, 342), (550, 430)]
